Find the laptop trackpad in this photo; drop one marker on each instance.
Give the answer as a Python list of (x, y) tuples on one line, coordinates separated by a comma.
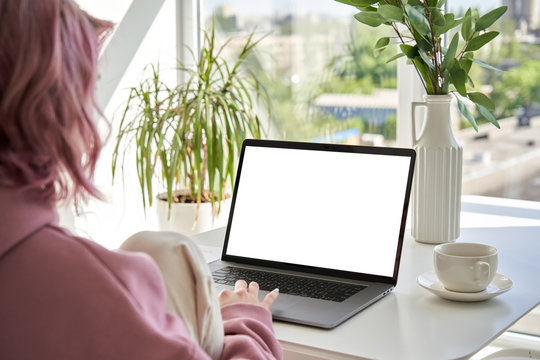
[(283, 303), (279, 307)]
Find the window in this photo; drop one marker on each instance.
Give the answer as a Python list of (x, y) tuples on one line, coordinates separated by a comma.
[(506, 162), (318, 66), (326, 84)]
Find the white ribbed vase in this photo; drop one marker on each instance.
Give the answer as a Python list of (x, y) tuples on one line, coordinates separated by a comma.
[(436, 194)]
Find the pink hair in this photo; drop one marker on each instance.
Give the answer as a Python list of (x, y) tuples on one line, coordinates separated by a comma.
[(48, 70)]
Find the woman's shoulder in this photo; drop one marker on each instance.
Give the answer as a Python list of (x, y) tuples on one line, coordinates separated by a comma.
[(66, 261), (55, 242), (107, 301)]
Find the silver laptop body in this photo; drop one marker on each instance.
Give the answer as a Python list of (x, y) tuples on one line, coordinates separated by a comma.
[(321, 211)]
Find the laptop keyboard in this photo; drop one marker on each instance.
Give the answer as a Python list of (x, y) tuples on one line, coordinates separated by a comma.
[(289, 284)]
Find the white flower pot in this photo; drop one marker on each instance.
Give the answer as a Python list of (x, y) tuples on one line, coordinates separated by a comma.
[(183, 218), (436, 194)]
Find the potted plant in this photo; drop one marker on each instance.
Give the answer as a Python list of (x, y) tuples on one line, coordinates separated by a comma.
[(420, 27), (188, 136)]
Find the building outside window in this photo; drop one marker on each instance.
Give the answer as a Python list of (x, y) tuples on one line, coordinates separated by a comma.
[(506, 162), (318, 66)]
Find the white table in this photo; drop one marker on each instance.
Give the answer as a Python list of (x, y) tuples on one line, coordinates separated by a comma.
[(412, 323)]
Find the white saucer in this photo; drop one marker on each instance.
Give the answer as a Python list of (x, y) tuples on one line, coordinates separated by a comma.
[(499, 285)]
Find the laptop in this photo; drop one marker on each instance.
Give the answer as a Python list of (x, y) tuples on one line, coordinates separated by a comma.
[(324, 223)]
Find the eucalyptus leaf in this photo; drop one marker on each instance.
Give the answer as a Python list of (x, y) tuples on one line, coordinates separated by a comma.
[(465, 64), (437, 17), (481, 99), (478, 41), (390, 12), (470, 82), (395, 57), (484, 65), (369, 18), (367, 8), (410, 51), (488, 19), (427, 60), (425, 46), (418, 20), (382, 42), (449, 23), (459, 78), (450, 55), (358, 2), (466, 26), (475, 15), (420, 66), (465, 112), (381, 45), (488, 115), (446, 83), (418, 37)]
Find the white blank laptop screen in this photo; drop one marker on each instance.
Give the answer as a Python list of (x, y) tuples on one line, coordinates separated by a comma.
[(325, 209)]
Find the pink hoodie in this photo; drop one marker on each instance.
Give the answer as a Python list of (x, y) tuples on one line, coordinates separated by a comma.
[(63, 297)]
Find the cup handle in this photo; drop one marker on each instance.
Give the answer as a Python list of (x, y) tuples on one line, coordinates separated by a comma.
[(482, 273)]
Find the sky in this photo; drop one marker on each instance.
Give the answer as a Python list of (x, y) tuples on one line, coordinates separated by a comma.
[(115, 10), (330, 7), (479, 4)]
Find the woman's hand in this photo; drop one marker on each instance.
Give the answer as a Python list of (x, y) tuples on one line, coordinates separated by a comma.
[(244, 294)]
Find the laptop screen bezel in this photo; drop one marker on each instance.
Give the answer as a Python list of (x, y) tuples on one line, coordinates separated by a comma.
[(405, 152)]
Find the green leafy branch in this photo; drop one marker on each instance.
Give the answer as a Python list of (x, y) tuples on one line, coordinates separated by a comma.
[(420, 26)]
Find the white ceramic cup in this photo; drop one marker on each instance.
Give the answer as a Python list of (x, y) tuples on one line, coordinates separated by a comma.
[(465, 267)]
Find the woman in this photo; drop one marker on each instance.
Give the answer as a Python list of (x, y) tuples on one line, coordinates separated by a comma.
[(64, 297)]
